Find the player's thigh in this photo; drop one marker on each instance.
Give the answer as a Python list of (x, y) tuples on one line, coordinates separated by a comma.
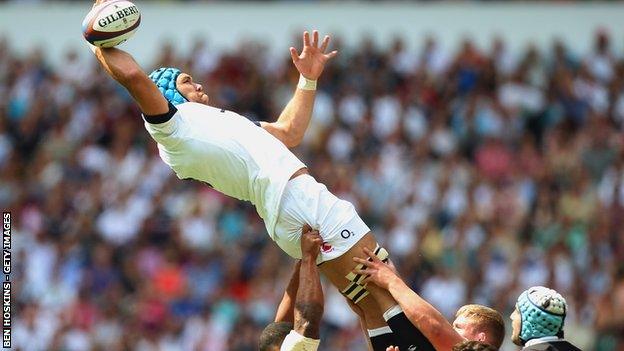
[(337, 269)]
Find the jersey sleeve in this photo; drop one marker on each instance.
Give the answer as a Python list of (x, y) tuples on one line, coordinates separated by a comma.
[(164, 128), (297, 342)]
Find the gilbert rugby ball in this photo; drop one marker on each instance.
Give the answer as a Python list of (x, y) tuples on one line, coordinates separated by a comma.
[(111, 23)]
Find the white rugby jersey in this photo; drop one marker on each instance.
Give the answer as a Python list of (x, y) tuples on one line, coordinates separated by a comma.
[(229, 152)]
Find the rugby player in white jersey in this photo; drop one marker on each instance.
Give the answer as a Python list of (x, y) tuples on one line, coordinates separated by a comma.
[(252, 162)]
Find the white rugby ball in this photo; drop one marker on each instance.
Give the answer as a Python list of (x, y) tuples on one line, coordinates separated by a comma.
[(111, 23)]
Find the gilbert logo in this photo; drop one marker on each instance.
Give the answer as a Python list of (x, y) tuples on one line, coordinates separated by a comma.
[(117, 16)]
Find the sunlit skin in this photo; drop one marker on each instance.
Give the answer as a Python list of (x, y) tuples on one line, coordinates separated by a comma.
[(515, 327), (310, 63), (467, 330), (193, 92)]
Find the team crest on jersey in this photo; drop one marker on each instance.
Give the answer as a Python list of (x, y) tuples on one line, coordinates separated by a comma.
[(325, 248)]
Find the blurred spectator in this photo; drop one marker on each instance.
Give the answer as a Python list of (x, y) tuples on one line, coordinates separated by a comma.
[(483, 173)]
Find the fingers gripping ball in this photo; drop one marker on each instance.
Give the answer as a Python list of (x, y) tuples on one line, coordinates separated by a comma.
[(165, 80), (542, 311), (111, 23)]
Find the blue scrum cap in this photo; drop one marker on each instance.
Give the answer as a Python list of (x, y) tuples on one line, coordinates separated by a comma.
[(165, 80), (542, 312)]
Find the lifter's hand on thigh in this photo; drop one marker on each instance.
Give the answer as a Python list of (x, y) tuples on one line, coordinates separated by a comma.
[(376, 271)]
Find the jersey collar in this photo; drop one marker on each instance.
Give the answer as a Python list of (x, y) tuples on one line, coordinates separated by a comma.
[(541, 340)]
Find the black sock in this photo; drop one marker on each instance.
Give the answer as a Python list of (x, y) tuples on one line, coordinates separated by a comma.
[(407, 335), (381, 342)]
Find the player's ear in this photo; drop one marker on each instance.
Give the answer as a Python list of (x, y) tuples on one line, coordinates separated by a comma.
[(481, 337)]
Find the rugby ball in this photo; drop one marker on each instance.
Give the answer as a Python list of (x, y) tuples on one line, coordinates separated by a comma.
[(111, 23)]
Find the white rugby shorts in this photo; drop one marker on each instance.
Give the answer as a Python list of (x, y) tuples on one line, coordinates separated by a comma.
[(306, 201), (297, 342)]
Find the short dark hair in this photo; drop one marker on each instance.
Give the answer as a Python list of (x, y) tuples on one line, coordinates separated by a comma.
[(487, 319), (471, 345), (273, 335)]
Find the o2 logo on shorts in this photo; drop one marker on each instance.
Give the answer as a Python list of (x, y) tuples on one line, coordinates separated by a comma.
[(346, 234)]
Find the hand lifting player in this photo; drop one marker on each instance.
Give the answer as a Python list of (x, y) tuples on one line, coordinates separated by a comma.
[(472, 322), (252, 162), (298, 318)]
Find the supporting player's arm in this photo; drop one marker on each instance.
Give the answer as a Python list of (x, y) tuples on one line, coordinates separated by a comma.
[(424, 316), (286, 309), (124, 69), (309, 302), (295, 118)]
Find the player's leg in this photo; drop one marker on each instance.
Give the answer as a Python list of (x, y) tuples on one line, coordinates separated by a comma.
[(337, 270), (305, 201), (371, 316), (378, 339), (379, 308)]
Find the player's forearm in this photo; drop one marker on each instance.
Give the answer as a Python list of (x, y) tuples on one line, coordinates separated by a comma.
[(309, 304), (122, 67), (118, 64), (424, 316), (286, 309), (296, 116)]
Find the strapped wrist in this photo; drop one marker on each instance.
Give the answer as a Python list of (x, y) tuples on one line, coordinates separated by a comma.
[(305, 83)]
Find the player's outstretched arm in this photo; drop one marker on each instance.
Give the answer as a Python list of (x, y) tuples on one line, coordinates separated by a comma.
[(424, 316), (124, 69), (309, 304), (294, 119)]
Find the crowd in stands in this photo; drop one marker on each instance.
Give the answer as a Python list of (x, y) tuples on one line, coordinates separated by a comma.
[(482, 171), (301, 1)]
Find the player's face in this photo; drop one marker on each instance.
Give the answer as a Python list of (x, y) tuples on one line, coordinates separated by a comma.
[(192, 91), (467, 329), (515, 327)]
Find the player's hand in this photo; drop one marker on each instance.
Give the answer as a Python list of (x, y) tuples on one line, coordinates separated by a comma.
[(312, 60), (311, 242), (376, 271), (393, 348), (97, 2)]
